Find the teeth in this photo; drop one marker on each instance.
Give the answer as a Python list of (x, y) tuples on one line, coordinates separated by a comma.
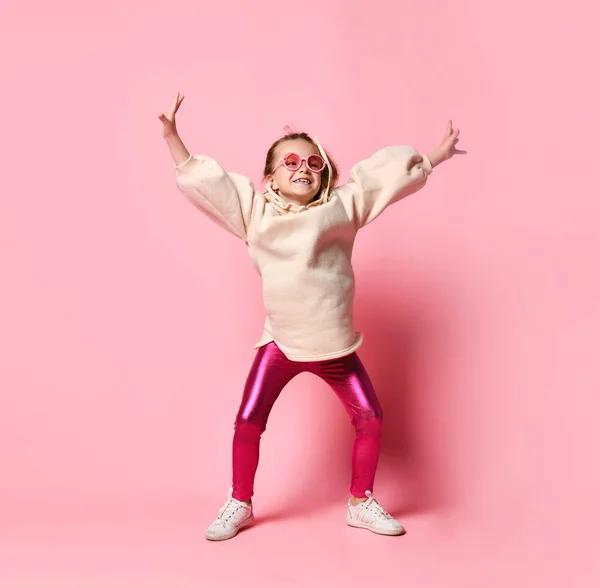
[(302, 181)]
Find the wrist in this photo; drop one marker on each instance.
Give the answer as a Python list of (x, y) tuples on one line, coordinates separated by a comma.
[(436, 157), (172, 136)]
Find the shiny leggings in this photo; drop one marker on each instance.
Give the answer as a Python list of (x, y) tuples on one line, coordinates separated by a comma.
[(270, 373)]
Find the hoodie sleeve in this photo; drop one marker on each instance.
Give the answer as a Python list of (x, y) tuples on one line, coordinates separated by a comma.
[(226, 198), (375, 183)]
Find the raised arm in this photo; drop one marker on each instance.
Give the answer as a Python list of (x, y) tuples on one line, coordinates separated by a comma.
[(389, 175), (226, 198)]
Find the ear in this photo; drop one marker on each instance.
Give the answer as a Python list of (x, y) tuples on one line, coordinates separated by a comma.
[(271, 182)]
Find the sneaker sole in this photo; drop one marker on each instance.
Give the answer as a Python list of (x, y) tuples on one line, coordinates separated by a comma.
[(231, 535), (388, 532)]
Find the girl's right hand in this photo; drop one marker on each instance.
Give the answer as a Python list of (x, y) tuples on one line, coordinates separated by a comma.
[(168, 120)]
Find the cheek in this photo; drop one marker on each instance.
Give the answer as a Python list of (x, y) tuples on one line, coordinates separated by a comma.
[(282, 176)]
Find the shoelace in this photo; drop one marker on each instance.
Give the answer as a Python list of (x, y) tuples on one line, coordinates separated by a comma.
[(229, 510), (371, 510)]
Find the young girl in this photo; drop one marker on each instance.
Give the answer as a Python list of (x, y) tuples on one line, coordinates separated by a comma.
[(299, 233)]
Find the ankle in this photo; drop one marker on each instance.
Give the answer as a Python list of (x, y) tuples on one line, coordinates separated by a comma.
[(249, 501), (357, 500)]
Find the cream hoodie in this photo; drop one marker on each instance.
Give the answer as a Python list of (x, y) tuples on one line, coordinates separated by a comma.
[(303, 253)]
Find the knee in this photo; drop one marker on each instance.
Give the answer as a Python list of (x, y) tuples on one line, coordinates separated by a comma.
[(248, 427), (370, 422)]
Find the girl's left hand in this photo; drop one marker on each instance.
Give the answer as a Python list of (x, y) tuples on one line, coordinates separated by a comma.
[(447, 147)]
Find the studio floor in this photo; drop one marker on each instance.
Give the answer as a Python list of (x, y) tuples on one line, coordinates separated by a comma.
[(142, 543)]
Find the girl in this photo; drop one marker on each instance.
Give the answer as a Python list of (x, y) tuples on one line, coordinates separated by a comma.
[(299, 233)]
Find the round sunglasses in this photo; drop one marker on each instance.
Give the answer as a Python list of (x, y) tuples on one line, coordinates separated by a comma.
[(293, 162)]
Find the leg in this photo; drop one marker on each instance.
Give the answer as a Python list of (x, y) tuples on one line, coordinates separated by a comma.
[(350, 381), (270, 373)]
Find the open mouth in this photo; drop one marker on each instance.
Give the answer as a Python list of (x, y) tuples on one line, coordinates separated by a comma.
[(303, 181)]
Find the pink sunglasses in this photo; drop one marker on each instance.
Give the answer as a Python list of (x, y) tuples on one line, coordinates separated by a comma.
[(293, 162)]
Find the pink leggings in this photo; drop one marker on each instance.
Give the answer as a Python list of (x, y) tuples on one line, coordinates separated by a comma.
[(270, 373)]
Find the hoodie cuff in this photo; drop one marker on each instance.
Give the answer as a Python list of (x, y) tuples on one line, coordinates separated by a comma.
[(427, 164), (178, 166)]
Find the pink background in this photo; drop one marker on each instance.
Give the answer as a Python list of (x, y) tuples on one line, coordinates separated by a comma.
[(127, 319)]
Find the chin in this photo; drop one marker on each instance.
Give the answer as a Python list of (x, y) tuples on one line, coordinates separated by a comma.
[(310, 197)]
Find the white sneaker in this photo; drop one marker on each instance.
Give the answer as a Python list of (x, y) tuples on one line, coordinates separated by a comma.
[(370, 515), (233, 516)]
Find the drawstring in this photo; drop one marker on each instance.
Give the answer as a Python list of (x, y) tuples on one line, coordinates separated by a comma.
[(329, 169)]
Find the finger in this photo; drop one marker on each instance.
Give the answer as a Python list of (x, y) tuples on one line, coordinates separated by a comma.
[(460, 152), (179, 103), (162, 117), (449, 128), (174, 105)]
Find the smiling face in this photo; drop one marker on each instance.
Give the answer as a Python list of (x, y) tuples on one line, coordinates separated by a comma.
[(300, 186)]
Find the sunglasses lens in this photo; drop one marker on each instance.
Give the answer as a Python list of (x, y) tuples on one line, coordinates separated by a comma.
[(315, 163), (292, 161)]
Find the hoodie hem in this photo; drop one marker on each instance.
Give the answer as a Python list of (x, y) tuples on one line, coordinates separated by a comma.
[(313, 357)]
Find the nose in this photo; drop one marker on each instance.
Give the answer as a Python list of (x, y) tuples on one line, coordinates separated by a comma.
[(303, 166)]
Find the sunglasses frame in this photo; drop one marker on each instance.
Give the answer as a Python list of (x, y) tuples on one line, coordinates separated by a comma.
[(302, 160)]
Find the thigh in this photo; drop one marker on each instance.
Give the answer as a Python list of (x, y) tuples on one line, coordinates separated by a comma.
[(269, 374), (350, 381)]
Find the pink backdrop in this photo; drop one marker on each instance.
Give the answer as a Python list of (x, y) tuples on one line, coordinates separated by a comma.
[(127, 319)]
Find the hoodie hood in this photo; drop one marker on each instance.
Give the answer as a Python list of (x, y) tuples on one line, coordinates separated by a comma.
[(285, 207)]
